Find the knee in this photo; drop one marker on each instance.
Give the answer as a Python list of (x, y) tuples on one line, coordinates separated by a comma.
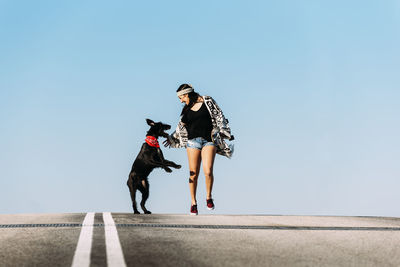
[(131, 177), (208, 173), (194, 174)]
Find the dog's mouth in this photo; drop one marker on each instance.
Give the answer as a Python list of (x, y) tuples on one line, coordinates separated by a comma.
[(164, 134), (165, 128)]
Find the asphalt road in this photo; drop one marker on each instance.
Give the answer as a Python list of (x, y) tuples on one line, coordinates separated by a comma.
[(206, 240)]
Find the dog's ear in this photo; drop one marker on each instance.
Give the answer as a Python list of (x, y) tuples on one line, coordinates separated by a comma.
[(150, 122)]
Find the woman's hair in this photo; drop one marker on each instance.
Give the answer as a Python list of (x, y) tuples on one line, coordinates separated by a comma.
[(193, 96)]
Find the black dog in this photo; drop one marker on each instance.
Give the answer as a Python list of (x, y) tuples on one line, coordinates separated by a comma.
[(149, 157)]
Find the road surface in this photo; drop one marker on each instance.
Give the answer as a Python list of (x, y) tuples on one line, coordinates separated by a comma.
[(124, 239)]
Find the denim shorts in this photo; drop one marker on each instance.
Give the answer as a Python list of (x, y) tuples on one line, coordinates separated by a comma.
[(199, 143)]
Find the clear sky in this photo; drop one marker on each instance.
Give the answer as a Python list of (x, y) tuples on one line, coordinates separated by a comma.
[(311, 90)]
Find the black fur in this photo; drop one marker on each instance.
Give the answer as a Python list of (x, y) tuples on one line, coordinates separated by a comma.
[(148, 158)]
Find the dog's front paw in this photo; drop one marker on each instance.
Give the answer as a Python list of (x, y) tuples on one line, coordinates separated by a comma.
[(178, 167), (168, 169), (147, 212)]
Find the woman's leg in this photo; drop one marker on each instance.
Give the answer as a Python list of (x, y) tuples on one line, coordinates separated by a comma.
[(194, 157), (208, 156)]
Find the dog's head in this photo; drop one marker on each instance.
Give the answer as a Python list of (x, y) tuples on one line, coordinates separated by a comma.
[(157, 128)]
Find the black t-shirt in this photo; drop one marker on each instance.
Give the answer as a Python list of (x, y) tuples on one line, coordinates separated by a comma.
[(198, 123)]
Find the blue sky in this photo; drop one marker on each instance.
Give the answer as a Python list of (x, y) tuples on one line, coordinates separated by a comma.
[(311, 89)]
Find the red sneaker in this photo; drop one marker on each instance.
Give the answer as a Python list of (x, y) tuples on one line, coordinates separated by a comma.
[(193, 210), (210, 204)]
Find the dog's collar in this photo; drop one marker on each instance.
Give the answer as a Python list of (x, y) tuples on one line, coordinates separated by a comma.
[(152, 141)]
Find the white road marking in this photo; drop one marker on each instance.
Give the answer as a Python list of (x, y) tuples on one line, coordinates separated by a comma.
[(114, 253), (84, 247)]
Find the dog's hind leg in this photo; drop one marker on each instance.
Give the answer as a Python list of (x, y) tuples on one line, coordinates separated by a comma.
[(132, 190), (144, 189)]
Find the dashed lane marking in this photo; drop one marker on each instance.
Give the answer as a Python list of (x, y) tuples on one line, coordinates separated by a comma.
[(42, 225), (263, 227), (197, 226), (84, 247)]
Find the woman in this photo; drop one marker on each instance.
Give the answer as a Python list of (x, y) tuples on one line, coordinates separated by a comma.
[(202, 129)]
